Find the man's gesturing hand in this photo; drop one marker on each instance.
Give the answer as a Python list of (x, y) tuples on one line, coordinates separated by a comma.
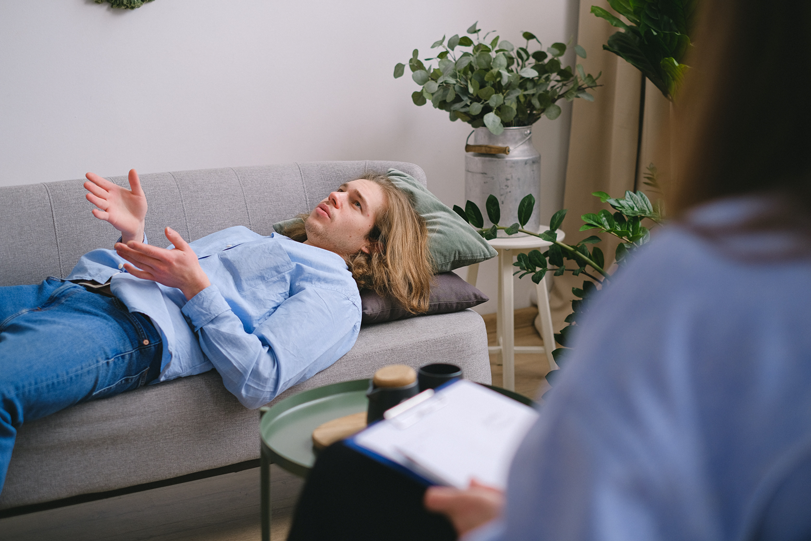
[(173, 268), (123, 209)]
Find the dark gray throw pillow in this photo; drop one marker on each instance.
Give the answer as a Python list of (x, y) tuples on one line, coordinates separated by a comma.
[(449, 293)]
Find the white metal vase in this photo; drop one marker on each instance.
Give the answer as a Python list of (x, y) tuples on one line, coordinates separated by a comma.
[(506, 166)]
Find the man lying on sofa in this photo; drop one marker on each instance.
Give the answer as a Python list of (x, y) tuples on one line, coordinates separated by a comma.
[(265, 312)]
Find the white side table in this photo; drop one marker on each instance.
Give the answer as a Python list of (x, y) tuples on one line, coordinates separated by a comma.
[(508, 248)]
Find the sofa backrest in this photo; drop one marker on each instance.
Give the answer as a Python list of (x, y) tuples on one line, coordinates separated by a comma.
[(45, 228)]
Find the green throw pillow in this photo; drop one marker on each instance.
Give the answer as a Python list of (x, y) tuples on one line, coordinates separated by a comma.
[(453, 243)]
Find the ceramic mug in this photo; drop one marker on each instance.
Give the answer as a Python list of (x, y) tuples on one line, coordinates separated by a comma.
[(432, 376), (390, 386)]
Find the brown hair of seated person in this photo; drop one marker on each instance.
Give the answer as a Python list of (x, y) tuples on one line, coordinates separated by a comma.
[(399, 264), (742, 114)]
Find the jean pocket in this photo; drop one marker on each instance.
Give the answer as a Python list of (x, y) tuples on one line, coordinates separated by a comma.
[(128, 383)]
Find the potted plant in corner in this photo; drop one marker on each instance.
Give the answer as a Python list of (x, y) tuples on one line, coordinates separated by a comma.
[(501, 91)]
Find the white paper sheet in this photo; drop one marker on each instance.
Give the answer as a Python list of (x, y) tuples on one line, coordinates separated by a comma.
[(464, 431)]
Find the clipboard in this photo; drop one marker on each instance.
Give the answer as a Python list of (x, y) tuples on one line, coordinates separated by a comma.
[(448, 437)]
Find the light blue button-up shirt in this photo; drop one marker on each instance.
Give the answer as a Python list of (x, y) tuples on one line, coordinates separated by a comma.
[(277, 312)]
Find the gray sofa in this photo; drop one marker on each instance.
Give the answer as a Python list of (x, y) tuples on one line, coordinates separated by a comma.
[(191, 425)]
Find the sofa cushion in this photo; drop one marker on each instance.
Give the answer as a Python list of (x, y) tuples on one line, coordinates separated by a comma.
[(449, 293)]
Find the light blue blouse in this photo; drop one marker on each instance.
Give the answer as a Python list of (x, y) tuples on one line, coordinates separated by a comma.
[(277, 311)]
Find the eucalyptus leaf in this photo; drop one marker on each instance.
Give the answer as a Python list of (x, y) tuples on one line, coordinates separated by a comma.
[(528, 73), (552, 112), (506, 45), (486, 93), (421, 77), (418, 99), (473, 29), (557, 49), (580, 51), (475, 108), (495, 100), (454, 41), (438, 43), (431, 87), (493, 123), (399, 70), (465, 41)]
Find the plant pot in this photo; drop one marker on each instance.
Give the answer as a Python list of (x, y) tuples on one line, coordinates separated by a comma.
[(506, 166)]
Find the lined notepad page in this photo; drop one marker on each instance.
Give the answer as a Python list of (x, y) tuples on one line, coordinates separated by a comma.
[(464, 431)]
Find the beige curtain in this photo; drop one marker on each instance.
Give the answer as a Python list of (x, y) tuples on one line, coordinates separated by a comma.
[(605, 150)]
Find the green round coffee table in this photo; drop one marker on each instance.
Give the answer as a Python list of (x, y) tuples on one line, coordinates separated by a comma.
[(286, 429)]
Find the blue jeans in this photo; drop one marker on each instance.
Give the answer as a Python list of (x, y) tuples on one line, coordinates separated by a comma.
[(61, 345)]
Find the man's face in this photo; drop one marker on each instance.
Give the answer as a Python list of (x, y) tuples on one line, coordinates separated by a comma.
[(341, 222)]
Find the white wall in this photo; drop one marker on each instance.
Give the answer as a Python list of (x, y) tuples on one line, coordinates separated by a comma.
[(191, 84)]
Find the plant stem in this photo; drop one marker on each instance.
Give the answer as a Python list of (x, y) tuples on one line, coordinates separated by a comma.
[(569, 249)]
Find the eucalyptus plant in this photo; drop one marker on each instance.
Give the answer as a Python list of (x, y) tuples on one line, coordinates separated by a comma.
[(124, 4), (583, 258), (656, 40), (495, 84)]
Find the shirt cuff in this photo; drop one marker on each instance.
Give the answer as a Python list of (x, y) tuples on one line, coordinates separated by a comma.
[(204, 307)]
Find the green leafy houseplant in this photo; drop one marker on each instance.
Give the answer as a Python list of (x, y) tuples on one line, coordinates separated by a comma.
[(124, 4), (583, 258), (495, 84), (656, 40)]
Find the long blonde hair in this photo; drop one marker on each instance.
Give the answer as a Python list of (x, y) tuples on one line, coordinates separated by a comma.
[(399, 264)]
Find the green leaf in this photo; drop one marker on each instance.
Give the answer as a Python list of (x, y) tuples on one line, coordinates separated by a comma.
[(461, 212), (430, 87), (486, 93), (528, 73), (525, 209), (493, 123), (473, 29), (528, 36), (578, 292), (483, 60), (557, 50), (495, 100), (602, 195), (621, 252), (500, 62), (513, 229), (462, 62), (454, 41), (415, 53), (491, 233), (465, 41), (581, 52), (493, 208), (538, 276), (560, 271), (506, 45), (475, 108), (399, 70), (438, 43), (552, 112), (603, 14), (420, 77), (474, 215), (591, 240), (555, 255), (598, 257), (537, 259), (418, 98), (506, 113), (548, 236), (557, 219)]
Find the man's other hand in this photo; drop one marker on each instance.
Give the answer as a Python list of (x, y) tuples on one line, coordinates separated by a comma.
[(178, 267), (123, 209)]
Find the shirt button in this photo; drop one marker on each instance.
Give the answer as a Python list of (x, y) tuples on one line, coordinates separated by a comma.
[(120, 266), (146, 342)]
